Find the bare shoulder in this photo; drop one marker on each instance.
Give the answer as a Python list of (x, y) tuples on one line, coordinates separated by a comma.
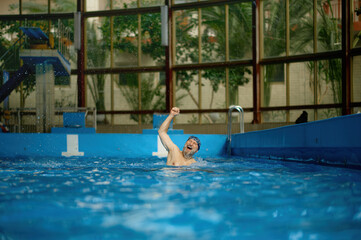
[(174, 156)]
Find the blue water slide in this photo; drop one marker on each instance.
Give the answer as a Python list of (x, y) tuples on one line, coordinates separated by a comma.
[(34, 33), (10, 85), (32, 57)]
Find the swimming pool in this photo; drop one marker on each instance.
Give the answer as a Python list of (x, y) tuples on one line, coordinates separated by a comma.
[(142, 198)]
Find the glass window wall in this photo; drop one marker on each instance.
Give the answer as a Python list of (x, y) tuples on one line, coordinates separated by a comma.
[(356, 82), (302, 84), (356, 24), (9, 7), (125, 41), (35, 6), (213, 36), (153, 54), (98, 42), (301, 27), (187, 89), (329, 25), (98, 87), (240, 31), (186, 39), (240, 86), (274, 28), (97, 5), (210, 57), (63, 6), (66, 95), (273, 85), (329, 83)]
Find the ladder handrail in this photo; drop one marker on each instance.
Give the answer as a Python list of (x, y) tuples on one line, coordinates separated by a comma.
[(229, 126), (3, 56), (11, 48), (63, 33)]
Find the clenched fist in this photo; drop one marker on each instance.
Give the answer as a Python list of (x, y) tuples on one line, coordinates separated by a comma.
[(175, 111)]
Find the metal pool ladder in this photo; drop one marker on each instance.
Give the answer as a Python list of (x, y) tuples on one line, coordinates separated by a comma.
[(229, 126)]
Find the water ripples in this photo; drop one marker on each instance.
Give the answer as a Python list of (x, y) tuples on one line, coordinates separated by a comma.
[(145, 199)]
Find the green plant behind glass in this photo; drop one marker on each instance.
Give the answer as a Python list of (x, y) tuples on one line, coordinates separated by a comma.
[(96, 56), (329, 39), (152, 96), (213, 21)]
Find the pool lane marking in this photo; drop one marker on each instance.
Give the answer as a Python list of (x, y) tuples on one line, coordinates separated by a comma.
[(72, 146), (162, 152)]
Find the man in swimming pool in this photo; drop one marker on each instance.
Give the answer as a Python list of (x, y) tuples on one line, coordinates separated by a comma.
[(175, 156)]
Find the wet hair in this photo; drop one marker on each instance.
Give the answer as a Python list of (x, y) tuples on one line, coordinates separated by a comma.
[(197, 140)]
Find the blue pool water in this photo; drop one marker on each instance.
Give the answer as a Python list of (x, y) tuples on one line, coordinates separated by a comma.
[(217, 198)]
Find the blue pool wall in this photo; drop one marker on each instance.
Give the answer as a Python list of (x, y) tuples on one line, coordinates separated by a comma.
[(334, 141), (100, 145)]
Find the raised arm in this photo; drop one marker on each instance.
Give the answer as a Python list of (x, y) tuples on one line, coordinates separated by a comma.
[(164, 137)]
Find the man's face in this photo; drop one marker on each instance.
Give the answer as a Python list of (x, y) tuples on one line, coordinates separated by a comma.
[(190, 148)]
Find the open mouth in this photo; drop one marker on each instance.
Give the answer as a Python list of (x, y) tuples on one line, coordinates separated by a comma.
[(189, 147)]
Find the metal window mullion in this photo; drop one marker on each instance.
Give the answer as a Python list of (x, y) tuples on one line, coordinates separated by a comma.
[(346, 86), (226, 10), (21, 97), (139, 64), (173, 39), (49, 21), (199, 61), (260, 55), (287, 54), (85, 66), (315, 78), (172, 54), (112, 65)]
